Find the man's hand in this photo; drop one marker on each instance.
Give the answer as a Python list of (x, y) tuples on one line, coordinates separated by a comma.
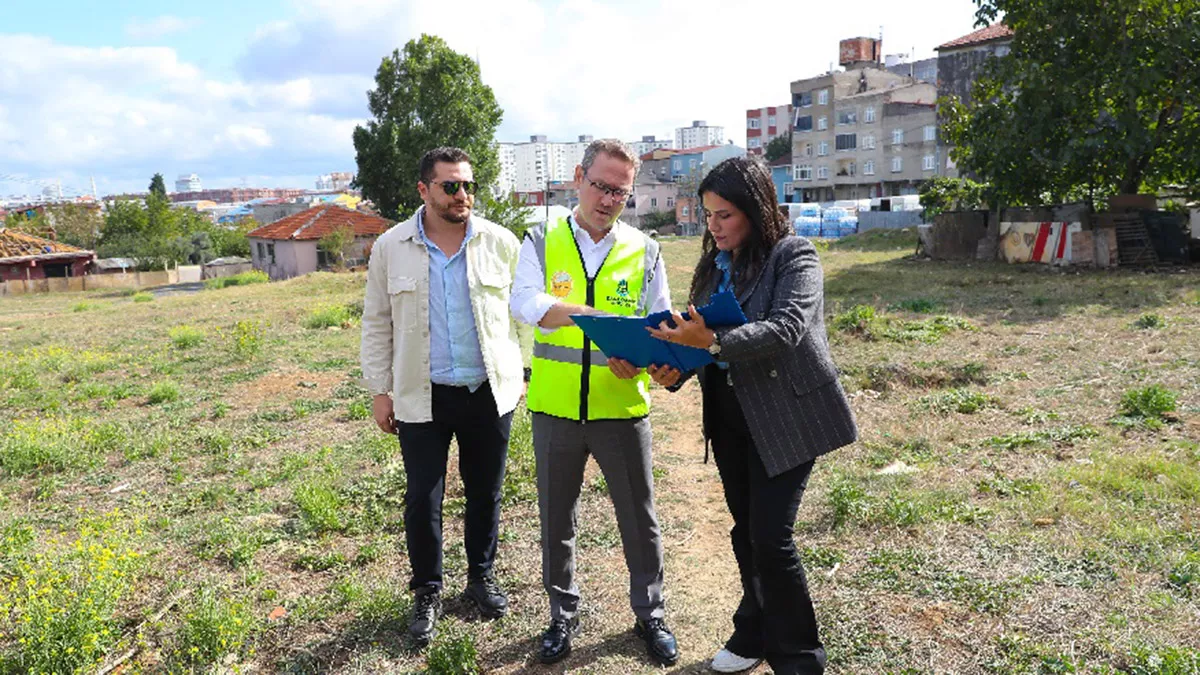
[(665, 376), (623, 369), (385, 417)]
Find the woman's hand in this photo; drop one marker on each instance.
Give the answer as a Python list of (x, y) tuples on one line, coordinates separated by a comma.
[(690, 332), (665, 376)]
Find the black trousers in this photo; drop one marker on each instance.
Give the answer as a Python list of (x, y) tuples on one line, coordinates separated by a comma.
[(482, 436), (775, 619)]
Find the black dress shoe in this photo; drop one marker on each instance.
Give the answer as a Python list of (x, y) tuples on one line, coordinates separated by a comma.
[(427, 607), (660, 643), (556, 641), (486, 595)]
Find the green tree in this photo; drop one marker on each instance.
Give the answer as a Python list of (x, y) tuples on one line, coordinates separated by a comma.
[(335, 244), (658, 219), (424, 97), (778, 147), (158, 186), (941, 194), (38, 225), (1096, 97), (504, 211)]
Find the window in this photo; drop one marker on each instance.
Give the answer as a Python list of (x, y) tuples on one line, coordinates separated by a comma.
[(823, 97), (788, 189), (803, 172), (691, 165), (670, 202), (262, 251), (803, 122), (868, 142), (822, 123), (869, 116), (802, 100), (823, 149), (808, 149), (928, 163), (754, 143), (679, 165), (770, 120), (654, 202), (846, 117), (271, 253), (869, 168), (847, 169), (897, 164), (753, 123), (683, 211), (844, 142), (930, 133), (897, 136), (822, 173)]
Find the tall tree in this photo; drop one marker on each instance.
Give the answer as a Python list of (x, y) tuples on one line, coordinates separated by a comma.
[(424, 97), (778, 147), (158, 186), (1096, 97)]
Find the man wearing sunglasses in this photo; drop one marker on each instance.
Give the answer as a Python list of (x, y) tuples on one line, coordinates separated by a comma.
[(584, 403), (441, 358)]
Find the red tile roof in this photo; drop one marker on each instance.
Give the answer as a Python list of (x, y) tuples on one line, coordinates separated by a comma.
[(996, 31), (19, 245), (692, 151), (320, 221)]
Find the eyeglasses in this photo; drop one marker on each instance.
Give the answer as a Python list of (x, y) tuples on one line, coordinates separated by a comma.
[(451, 186), (614, 193)]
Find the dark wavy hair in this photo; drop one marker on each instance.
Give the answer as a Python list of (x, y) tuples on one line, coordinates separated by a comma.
[(746, 183)]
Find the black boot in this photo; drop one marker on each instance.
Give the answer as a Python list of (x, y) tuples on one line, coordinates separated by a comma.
[(556, 641), (427, 607), (660, 643), (487, 596)]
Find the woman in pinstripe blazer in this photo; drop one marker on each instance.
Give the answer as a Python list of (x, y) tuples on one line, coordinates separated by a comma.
[(772, 405)]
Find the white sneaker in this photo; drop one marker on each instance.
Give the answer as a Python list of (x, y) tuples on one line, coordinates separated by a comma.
[(727, 662)]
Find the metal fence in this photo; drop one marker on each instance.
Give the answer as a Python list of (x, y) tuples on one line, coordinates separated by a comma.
[(888, 220)]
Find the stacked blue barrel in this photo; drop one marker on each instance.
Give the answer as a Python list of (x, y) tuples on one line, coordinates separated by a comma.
[(837, 222), (808, 224)]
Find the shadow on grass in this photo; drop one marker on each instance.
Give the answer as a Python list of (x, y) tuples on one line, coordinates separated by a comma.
[(1026, 293), (625, 643)]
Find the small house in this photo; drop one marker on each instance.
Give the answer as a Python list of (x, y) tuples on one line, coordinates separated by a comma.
[(289, 247)]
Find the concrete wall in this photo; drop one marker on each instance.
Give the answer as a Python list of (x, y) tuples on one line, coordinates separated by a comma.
[(888, 220), (215, 271), (91, 282)]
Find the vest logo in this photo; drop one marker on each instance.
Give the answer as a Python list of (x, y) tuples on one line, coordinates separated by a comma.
[(622, 297), (561, 284)]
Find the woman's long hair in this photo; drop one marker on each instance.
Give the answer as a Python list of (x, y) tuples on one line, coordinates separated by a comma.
[(746, 183)]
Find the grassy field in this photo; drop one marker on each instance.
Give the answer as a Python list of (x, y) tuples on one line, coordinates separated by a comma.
[(192, 481)]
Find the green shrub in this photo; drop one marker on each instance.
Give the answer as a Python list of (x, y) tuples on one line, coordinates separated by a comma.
[(858, 320), (243, 279), (359, 410), (214, 627), (328, 316), (1152, 402), (246, 340), (60, 607), (320, 507), (454, 654), (917, 305), (955, 400), (55, 444), (143, 296), (163, 392), (185, 337), (84, 306), (1150, 322)]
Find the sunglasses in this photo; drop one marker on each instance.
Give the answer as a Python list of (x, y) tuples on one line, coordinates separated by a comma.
[(451, 186)]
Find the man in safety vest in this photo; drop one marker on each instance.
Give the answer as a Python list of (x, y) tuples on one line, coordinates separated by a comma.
[(585, 403)]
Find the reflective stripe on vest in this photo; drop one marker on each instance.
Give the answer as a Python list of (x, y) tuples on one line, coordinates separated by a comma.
[(571, 378)]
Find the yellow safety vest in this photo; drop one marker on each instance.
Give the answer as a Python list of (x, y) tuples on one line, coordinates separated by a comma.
[(570, 377)]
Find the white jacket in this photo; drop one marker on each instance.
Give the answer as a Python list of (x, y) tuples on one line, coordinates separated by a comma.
[(395, 322)]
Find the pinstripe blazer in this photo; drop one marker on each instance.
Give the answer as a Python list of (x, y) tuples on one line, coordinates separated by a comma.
[(780, 365)]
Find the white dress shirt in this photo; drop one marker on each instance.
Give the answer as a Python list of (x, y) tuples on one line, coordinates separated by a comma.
[(529, 301)]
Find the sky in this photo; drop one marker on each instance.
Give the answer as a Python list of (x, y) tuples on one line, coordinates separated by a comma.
[(267, 92)]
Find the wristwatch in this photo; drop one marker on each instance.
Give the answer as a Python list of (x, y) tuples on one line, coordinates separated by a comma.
[(715, 347)]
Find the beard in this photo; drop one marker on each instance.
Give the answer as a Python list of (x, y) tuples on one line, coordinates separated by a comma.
[(453, 213)]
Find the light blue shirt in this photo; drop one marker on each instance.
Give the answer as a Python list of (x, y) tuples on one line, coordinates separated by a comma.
[(725, 264), (455, 357)]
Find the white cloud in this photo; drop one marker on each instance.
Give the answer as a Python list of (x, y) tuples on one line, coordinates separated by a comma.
[(157, 27)]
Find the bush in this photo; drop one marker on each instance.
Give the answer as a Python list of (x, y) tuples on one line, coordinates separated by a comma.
[(1150, 322), (329, 316), (246, 340), (163, 392), (60, 607), (186, 337), (320, 507), (214, 627), (453, 655), (858, 320), (1151, 403), (84, 306), (143, 296), (243, 279)]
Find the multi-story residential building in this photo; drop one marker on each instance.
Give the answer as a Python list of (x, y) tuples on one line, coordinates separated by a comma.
[(649, 144), (699, 135), (925, 70), (959, 61), (527, 167), (764, 125), (690, 165), (862, 132), (651, 194), (236, 195), (335, 182), (657, 163), (187, 183)]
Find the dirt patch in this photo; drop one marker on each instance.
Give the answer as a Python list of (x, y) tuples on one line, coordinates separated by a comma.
[(285, 385)]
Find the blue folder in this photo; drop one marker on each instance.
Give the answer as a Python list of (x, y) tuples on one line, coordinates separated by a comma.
[(626, 338)]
